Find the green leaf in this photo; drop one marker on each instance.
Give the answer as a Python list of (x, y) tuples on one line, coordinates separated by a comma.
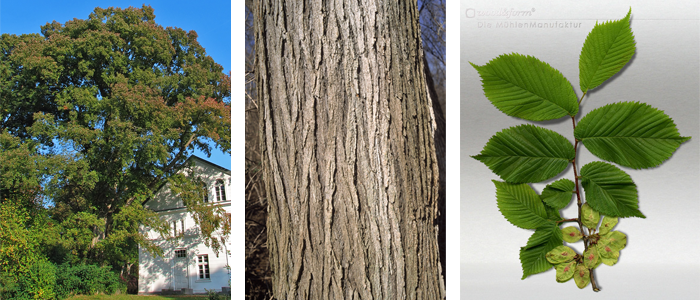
[(608, 47), (532, 256), (631, 134), (558, 194), (525, 87), (520, 205), (527, 153), (552, 214), (610, 190)]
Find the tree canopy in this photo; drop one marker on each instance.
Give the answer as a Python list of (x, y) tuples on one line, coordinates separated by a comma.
[(96, 114)]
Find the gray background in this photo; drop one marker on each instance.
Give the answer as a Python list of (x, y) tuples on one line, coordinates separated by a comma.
[(662, 255)]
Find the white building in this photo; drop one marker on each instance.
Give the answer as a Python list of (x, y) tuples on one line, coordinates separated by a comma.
[(187, 265)]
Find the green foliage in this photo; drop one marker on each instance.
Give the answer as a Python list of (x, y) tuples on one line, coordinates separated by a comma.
[(610, 190), (607, 49), (102, 112), (87, 280), (213, 295), (521, 205), (527, 153), (24, 272), (525, 87), (533, 255), (38, 283), (630, 134), (17, 248), (558, 194)]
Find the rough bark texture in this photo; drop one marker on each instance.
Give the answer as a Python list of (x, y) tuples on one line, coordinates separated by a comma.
[(349, 153)]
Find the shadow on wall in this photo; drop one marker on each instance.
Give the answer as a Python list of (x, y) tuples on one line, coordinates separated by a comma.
[(155, 272)]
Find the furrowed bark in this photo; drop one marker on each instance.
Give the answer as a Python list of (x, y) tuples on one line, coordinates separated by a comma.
[(349, 154)]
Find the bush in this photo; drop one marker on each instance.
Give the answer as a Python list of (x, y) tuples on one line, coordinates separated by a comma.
[(214, 295), (87, 280), (25, 273), (38, 283)]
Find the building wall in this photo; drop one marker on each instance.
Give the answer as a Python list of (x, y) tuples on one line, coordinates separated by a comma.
[(158, 273)]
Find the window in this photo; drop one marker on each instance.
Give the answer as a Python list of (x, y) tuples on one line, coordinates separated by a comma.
[(180, 253), (182, 228), (203, 263), (206, 191), (220, 190)]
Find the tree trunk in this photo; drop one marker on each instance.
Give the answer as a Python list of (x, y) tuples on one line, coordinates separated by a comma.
[(350, 161)]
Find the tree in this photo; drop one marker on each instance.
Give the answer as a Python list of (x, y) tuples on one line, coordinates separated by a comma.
[(117, 103), (433, 33), (350, 141)]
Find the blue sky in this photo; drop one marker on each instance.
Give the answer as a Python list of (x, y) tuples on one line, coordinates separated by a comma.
[(210, 19)]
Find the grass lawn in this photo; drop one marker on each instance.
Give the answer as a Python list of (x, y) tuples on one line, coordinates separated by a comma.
[(129, 297)]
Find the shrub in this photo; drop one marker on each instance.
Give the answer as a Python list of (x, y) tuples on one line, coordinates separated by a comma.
[(38, 283), (87, 280), (214, 295)]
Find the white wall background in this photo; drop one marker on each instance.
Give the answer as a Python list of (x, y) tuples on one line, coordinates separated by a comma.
[(661, 258), (155, 273)]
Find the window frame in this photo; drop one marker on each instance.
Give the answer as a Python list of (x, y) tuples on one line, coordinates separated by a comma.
[(220, 190), (203, 271), (180, 252)]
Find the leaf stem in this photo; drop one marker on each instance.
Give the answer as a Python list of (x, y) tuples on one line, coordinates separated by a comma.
[(584, 94), (567, 220), (580, 203)]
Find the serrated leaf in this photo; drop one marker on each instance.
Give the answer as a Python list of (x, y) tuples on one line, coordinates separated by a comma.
[(527, 153), (520, 205), (582, 276), (560, 254), (589, 216), (610, 190), (607, 224), (571, 234), (558, 194), (631, 134), (565, 271), (552, 214), (608, 47), (525, 87), (532, 256)]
